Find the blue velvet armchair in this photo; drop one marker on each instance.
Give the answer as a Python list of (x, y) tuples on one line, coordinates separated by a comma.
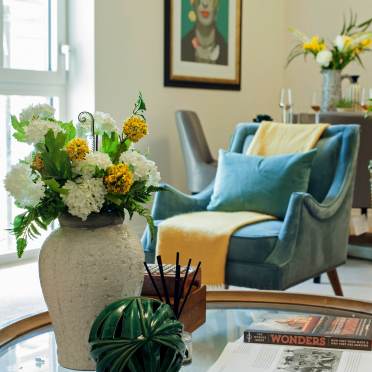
[(313, 237)]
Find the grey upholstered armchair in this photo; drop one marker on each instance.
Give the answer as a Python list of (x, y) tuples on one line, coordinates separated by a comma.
[(310, 240), (199, 163)]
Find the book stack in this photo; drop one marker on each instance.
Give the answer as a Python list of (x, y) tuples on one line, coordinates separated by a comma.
[(315, 331), (289, 342)]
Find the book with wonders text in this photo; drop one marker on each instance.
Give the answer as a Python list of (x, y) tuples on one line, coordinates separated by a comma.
[(312, 330)]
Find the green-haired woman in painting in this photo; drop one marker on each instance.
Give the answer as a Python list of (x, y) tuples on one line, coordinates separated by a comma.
[(204, 43)]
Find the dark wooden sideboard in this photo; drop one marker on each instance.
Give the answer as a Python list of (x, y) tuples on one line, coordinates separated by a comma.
[(362, 192), (360, 246)]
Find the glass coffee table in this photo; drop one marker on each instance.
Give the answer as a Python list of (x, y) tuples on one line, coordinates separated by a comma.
[(29, 345)]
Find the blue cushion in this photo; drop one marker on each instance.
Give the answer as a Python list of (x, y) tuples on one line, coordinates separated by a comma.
[(254, 243), (259, 184), (324, 164)]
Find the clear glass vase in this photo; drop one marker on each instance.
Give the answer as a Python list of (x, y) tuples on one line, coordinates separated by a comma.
[(187, 339), (331, 91)]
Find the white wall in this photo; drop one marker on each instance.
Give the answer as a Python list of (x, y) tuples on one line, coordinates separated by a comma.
[(81, 77), (323, 18), (129, 58)]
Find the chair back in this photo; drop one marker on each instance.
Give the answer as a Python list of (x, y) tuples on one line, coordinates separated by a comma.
[(199, 163), (333, 163), (194, 144)]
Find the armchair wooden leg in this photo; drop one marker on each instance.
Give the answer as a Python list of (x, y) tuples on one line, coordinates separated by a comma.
[(335, 282)]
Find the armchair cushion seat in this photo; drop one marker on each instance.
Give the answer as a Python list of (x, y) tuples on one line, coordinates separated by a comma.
[(254, 243)]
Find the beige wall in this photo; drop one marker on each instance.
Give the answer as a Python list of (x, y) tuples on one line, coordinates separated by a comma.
[(129, 58), (324, 18), (117, 50)]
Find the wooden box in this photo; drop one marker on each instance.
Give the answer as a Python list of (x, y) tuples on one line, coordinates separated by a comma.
[(169, 275), (194, 313)]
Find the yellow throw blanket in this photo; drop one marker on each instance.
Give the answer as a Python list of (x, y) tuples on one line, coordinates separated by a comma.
[(205, 236), (279, 139)]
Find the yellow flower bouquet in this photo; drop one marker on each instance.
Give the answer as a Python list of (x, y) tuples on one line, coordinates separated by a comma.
[(67, 174), (354, 39)]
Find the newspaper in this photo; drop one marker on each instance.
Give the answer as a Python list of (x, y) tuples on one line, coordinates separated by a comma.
[(239, 356)]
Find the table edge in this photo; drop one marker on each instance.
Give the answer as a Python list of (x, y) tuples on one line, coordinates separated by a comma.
[(34, 322)]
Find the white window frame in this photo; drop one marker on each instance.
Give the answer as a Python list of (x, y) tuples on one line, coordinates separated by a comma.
[(37, 83)]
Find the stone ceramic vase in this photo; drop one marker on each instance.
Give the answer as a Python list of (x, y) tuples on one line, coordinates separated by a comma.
[(85, 266), (332, 90)]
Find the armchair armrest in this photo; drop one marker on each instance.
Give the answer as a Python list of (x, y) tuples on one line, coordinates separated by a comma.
[(171, 202), (320, 211), (331, 204)]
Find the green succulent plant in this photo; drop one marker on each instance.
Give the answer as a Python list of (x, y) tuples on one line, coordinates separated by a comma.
[(344, 103), (137, 334)]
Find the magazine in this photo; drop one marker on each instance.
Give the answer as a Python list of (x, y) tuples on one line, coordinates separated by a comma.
[(243, 357), (315, 330)]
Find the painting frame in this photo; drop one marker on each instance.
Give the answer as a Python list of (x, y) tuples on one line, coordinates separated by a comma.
[(174, 79)]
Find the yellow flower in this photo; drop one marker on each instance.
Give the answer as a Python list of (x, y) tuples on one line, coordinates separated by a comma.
[(347, 40), (135, 128), (315, 45), (37, 163), (366, 43), (119, 178), (77, 148)]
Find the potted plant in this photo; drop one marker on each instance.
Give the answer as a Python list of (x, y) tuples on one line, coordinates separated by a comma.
[(93, 258), (354, 39), (344, 105)]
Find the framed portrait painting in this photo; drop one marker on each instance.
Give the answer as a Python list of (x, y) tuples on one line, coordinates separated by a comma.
[(203, 44)]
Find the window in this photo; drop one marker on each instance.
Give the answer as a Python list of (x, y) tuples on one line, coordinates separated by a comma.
[(32, 71)]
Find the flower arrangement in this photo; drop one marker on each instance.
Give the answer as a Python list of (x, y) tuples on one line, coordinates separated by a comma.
[(353, 40), (63, 174)]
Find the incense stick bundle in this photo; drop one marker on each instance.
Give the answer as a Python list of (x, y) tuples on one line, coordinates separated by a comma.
[(178, 286), (185, 278), (165, 288), (153, 282), (189, 291)]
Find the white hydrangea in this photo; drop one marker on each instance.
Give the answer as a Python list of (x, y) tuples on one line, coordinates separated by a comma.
[(85, 196), (104, 123), (324, 58), (143, 168), (38, 128), (41, 111), (19, 183), (154, 176), (87, 167)]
